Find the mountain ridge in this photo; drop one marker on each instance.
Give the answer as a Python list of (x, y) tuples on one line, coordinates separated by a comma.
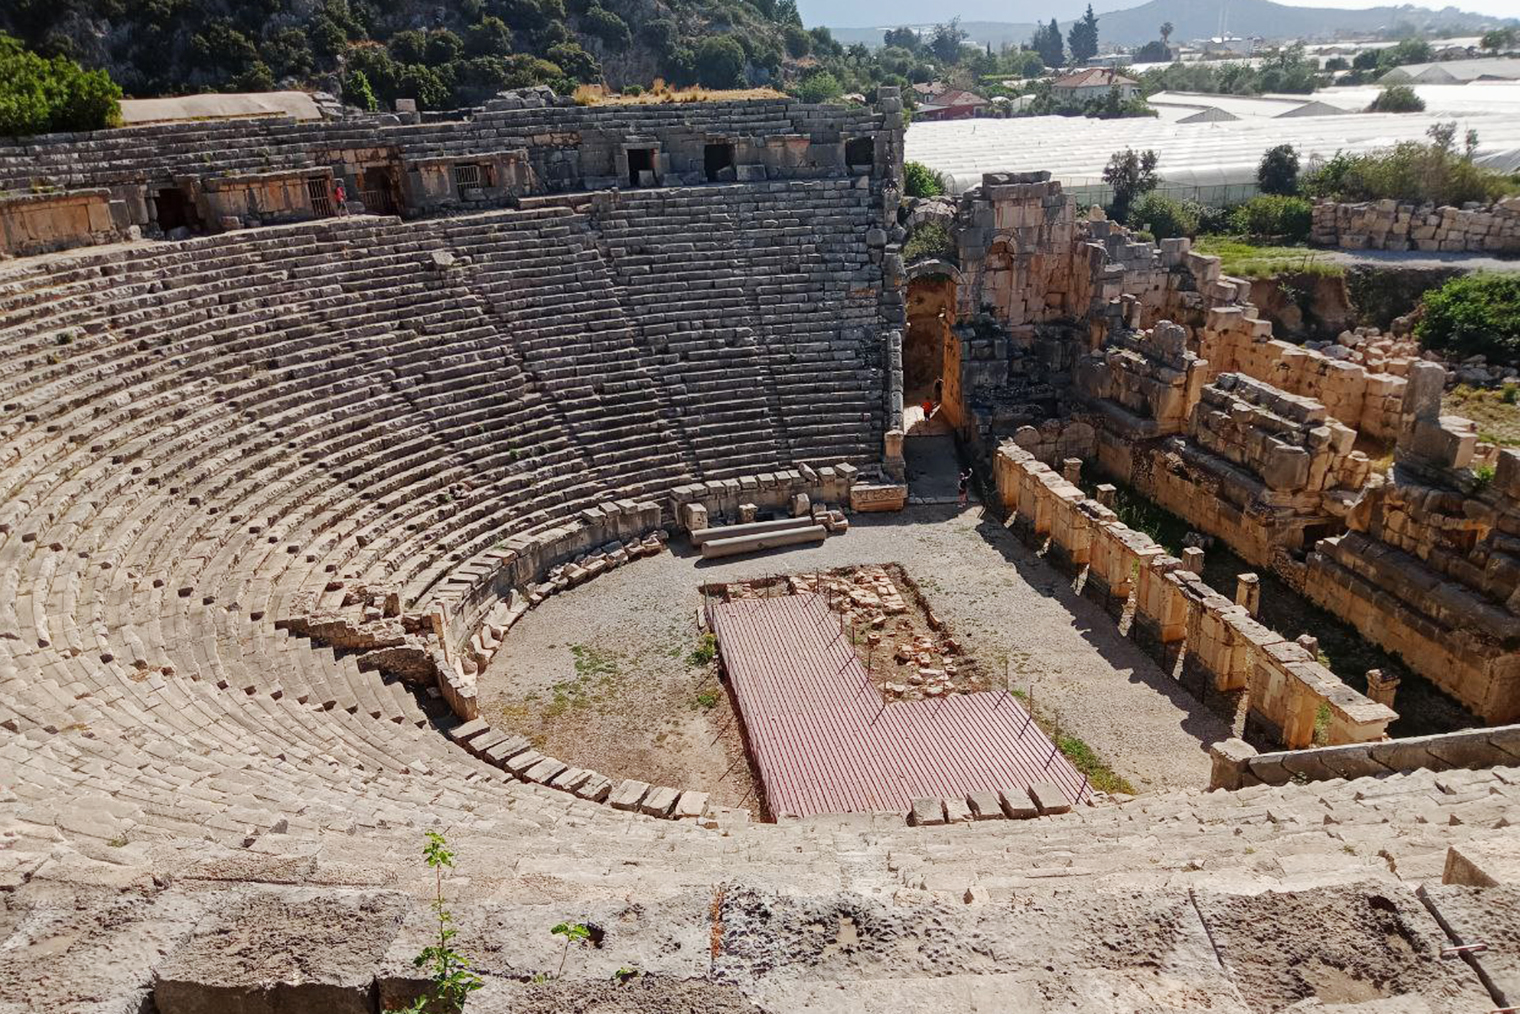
[(1196, 19)]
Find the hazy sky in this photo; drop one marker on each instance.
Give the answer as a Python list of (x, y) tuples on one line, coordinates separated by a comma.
[(873, 13)]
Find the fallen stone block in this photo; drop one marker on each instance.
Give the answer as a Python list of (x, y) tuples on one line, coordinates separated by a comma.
[(956, 811), (690, 805)]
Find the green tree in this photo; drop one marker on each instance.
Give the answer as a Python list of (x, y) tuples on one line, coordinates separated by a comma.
[(720, 62), (902, 38), (819, 86), (1500, 39), (1153, 52), (1277, 173), (1047, 42), (491, 37), (1397, 99), (40, 96), (357, 91), (576, 62), (1083, 37), (1131, 174), (946, 40), (1274, 216), (421, 82), (607, 26), (1166, 33), (798, 42)]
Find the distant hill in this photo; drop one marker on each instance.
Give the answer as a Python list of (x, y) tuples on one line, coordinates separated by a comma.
[(1200, 19)]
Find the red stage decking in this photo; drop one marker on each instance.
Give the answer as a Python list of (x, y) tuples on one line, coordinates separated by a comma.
[(826, 742)]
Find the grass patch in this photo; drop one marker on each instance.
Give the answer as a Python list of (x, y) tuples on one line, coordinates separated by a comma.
[(1495, 411), (1102, 777), (708, 699), (1241, 258)]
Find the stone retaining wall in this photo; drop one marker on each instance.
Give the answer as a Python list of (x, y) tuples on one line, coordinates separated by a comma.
[(1390, 225), (1237, 765), (55, 220)]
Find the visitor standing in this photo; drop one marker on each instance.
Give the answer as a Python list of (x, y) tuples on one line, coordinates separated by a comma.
[(965, 489)]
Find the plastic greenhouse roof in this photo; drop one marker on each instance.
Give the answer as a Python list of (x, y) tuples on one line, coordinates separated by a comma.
[(1075, 149)]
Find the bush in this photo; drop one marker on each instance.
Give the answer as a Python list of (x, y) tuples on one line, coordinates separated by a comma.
[(39, 96), (1397, 99), (633, 90), (921, 181), (819, 86), (1163, 217), (608, 27), (720, 62), (1278, 171), (929, 241), (1474, 314), (1411, 172), (357, 92), (1288, 218)]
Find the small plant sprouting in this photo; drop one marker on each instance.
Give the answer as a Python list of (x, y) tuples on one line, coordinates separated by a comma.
[(708, 699), (1482, 476), (577, 932), (452, 979), (705, 651), (624, 975)]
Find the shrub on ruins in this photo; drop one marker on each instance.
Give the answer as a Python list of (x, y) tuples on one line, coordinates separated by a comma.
[(1131, 175), (39, 96), (921, 181), (720, 62), (1474, 314), (819, 86), (1397, 99), (1164, 217), (1277, 172), (930, 241), (1274, 216)]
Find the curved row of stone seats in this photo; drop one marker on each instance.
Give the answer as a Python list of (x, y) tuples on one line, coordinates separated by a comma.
[(734, 288), (202, 438), (160, 152)]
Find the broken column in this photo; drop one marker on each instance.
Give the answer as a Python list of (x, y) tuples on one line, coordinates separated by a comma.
[(1381, 686), (1071, 470)]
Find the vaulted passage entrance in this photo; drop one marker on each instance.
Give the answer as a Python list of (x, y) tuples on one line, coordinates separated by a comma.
[(931, 358)]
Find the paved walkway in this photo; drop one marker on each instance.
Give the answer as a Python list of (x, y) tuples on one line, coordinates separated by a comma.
[(933, 469)]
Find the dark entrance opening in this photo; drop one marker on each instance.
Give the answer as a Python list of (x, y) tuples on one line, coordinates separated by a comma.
[(859, 152), (175, 210), (640, 160), (377, 191), (715, 159)]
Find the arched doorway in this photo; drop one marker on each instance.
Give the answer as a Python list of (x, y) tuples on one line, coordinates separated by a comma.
[(931, 358)]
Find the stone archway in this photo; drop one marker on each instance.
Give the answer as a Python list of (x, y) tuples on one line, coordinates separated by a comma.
[(931, 356)]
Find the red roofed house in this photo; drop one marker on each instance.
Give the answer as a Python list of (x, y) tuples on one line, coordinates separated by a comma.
[(1093, 83), (949, 104)]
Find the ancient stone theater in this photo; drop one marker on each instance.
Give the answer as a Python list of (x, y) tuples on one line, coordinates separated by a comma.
[(721, 579)]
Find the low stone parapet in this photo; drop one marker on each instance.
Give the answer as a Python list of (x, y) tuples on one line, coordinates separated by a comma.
[(35, 223)]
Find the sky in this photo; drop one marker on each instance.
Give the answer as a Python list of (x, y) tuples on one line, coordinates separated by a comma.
[(879, 13)]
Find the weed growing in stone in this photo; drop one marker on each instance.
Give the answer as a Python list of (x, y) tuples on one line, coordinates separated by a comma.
[(573, 932), (451, 979)]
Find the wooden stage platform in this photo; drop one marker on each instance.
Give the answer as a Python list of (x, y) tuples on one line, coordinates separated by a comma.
[(825, 740)]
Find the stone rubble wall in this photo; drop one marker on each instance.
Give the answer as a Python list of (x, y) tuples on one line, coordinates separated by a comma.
[(1391, 225), (1225, 650), (1430, 566), (1368, 402)]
